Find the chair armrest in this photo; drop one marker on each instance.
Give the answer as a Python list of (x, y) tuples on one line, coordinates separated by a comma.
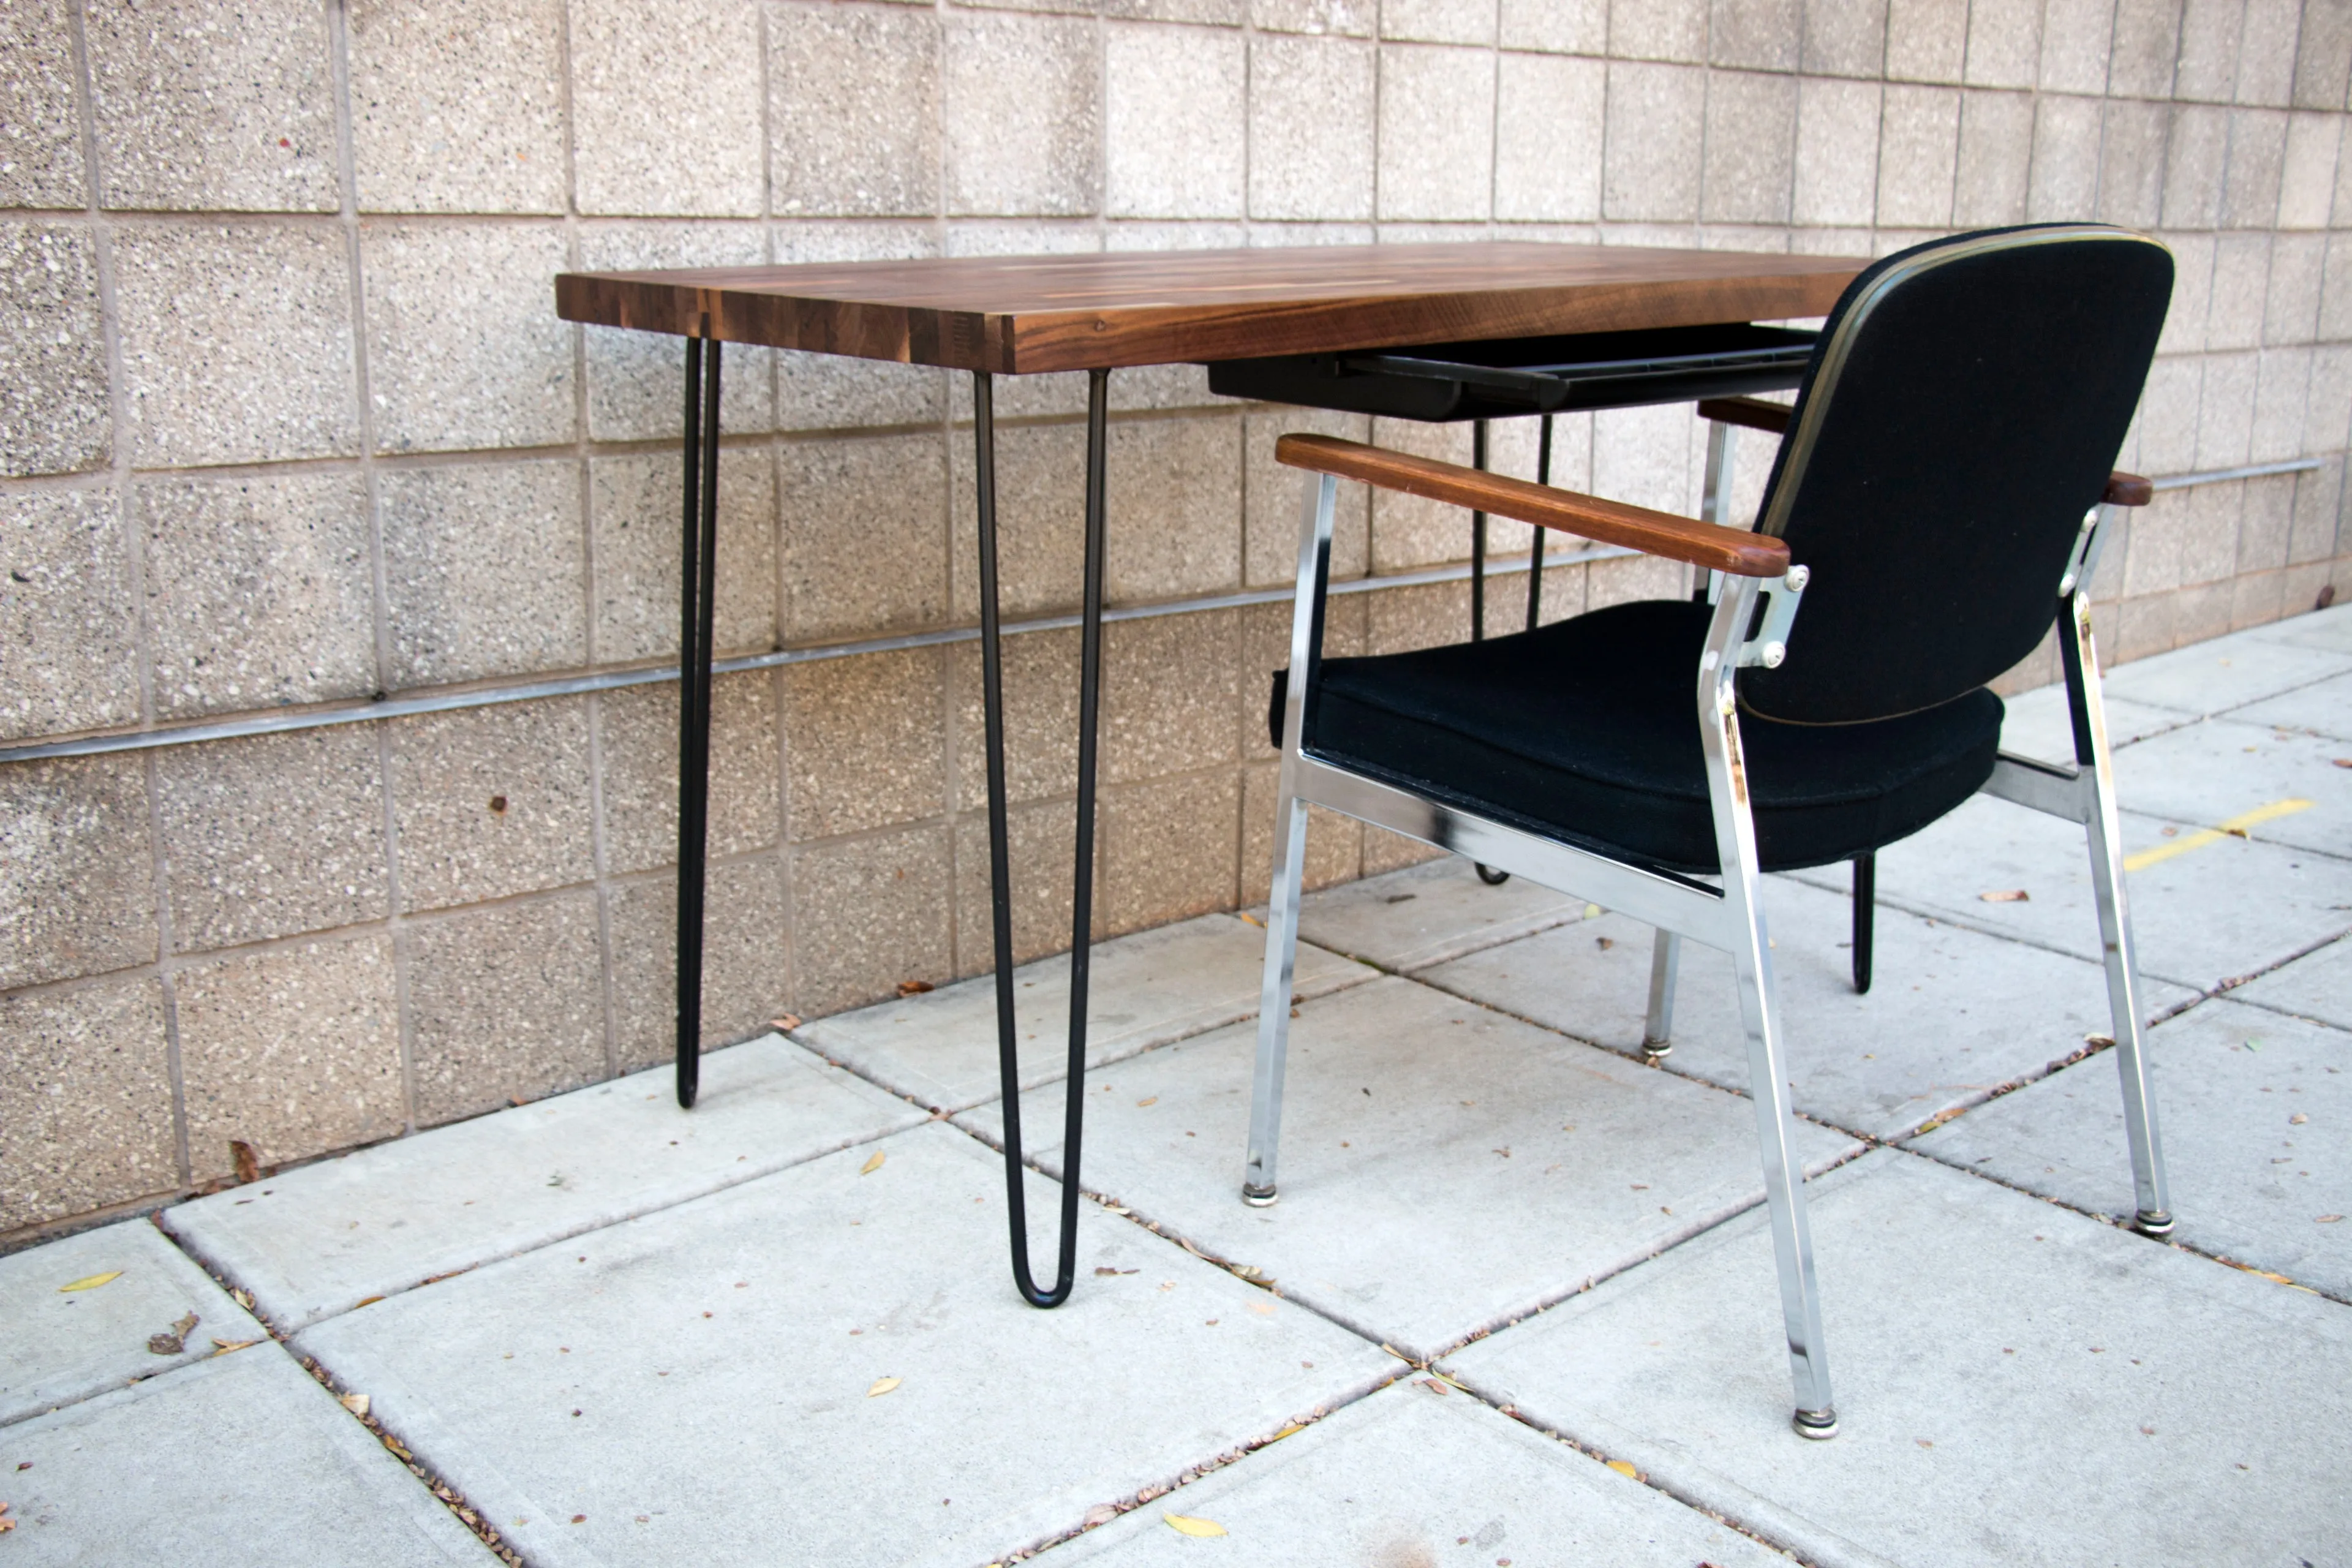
[(1730, 550), (2128, 489), (1752, 412)]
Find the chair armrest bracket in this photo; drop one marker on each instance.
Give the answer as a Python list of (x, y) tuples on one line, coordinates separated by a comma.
[(1769, 646)]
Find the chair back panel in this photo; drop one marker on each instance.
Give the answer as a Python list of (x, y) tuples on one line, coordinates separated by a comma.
[(1962, 412)]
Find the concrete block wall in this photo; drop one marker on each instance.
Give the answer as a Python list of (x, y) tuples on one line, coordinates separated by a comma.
[(285, 419)]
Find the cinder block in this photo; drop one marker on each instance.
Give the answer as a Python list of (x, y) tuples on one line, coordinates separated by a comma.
[(490, 801), (292, 1051), (458, 108), (1659, 29), (1351, 18), (1752, 135), (2307, 169), (2207, 69), (2167, 418), (1919, 147), (635, 390), (745, 937), (497, 373), (485, 571), (315, 858), (1838, 133), (2131, 164), (1844, 38), (1548, 139), (2249, 195), (67, 651), (1040, 518), (1170, 849), (2241, 266), (2335, 286), (1024, 115), (2192, 292), (192, 115), (1311, 128), (2146, 43), (506, 1005), (2065, 173), (2076, 35), (1554, 27), (1410, 531), (1206, 13), (1273, 494), (864, 739), (1439, 21), (1996, 152), (1926, 40), (1170, 688), (2004, 43), (77, 869), (2264, 527), (2266, 52), (2225, 413), (890, 570), (1040, 839), (1645, 456), (2208, 539), (633, 119), (2322, 56), (39, 105), (1755, 35), (86, 1116), (54, 413), (1656, 123), (854, 110), (634, 507), (1174, 508), (637, 740), (260, 591), (1335, 843), (825, 392), (1436, 137), (1163, 161), (237, 343), (2152, 563), (870, 912), (2281, 386), (1041, 718), (2255, 600)]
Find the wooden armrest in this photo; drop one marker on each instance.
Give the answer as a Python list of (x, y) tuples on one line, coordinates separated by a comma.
[(2123, 489), (1731, 550), (1752, 412)]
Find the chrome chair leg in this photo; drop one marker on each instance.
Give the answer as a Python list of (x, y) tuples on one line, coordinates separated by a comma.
[(1768, 1068), (1274, 999), (2152, 1204), (1290, 843), (1665, 964)]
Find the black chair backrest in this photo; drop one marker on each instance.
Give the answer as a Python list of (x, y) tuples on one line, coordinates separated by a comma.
[(1961, 414)]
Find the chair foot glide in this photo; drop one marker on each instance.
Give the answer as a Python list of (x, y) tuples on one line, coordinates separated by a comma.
[(1492, 877), (1259, 1197), (1819, 1424), (2153, 1222)]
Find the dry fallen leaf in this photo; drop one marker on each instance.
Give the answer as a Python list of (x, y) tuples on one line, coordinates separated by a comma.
[(2329, 1219), (913, 987), (1262, 1308), (882, 1385), (789, 1022), (1286, 1431), (2297, 1120), (357, 1404), (2343, 762), (872, 1165), (1142, 1103), (2098, 1039), (1430, 1384), (2005, 896), (248, 1164), (1251, 920), (1184, 1524), (230, 1347), (1604, 943), (1625, 1468), (93, 1282)]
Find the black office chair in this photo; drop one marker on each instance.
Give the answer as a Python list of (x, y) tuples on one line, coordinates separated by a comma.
[(1934, 502)]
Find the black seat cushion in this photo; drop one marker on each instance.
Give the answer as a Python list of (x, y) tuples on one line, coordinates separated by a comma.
[(1588, 730)]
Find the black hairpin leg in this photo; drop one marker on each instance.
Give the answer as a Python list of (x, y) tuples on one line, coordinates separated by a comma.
[(1865, 895), (1536, 558), (1000, 866), (1486, 874), (696, 582)]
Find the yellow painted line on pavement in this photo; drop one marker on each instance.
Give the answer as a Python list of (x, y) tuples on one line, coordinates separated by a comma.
[(2235, 828)]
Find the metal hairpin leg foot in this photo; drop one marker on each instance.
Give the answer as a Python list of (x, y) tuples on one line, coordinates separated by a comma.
[(1665, 964), (695, 581), (1000, 858), (1866, 899), (1486, 874), (2152, 1203)]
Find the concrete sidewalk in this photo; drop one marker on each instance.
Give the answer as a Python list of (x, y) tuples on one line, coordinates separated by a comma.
[(1516, 1307)]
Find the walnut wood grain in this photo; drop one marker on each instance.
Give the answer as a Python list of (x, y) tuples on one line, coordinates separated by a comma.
[(1017, 315), (2128, 489), (1753, 413), (1731, 550)]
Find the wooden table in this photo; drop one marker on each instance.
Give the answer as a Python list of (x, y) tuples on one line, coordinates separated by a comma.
[(1024, 315)]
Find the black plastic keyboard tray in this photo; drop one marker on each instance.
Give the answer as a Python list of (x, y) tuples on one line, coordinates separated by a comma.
[(1510, 376)]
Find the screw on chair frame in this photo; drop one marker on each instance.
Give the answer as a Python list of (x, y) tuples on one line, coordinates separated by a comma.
[(1730, 918)]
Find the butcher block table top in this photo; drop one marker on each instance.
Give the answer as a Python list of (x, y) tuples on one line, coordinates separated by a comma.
[(1017, 315)]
